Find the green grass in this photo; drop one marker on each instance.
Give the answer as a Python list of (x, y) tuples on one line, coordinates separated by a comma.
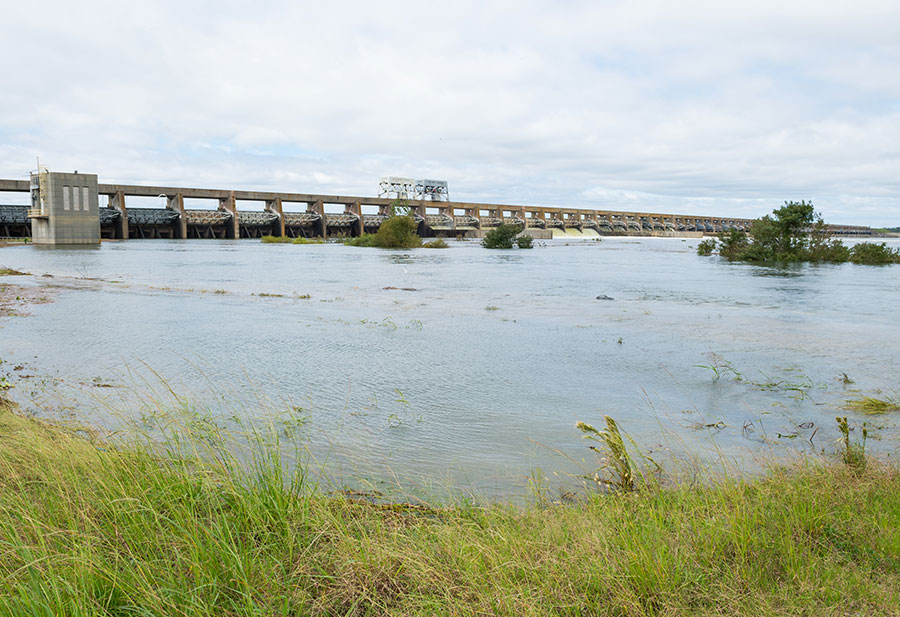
[(287, 240), (91, 529), (437, 243), (871, 405), (11, 272)]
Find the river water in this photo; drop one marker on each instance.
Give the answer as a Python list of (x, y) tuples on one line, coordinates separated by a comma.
[(472, 372)]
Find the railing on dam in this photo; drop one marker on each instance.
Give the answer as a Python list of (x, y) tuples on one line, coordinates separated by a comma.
[(343, 215)]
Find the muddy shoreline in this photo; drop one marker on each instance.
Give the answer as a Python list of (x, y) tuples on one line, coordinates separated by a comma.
[(15, 298)]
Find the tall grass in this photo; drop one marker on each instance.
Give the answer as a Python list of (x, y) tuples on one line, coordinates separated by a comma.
[(185, 526)]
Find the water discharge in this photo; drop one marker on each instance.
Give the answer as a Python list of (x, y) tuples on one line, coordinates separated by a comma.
[(464, 366)]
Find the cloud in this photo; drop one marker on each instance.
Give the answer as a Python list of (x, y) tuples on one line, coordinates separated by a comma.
[(728, 108)]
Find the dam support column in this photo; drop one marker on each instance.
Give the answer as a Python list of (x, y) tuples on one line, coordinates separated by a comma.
[(274, 206), (356, 208), (176, 202), (473, 212), (421, 210), (232, 229), (322, 225), (117, 202)]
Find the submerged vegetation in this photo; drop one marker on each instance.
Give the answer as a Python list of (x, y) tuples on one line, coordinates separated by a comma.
[(288, 240), (853, 454), (874, 254), (504, 237), (437, 243), (794, 233), (88, 528), (872, 406)]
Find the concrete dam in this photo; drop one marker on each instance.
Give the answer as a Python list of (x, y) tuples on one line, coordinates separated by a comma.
[(318, 215)]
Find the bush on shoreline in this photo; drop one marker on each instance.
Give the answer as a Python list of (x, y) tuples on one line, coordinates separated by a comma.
[(89, 528)]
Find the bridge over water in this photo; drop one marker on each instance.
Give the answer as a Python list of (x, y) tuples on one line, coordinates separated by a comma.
[(339, 215)]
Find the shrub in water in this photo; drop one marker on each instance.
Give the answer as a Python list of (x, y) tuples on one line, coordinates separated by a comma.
[(361, 240), (501, 237), (437, 243), (874, 254), (706, 247), (525, 241), (795, 233), (732, 244), (397, 232)]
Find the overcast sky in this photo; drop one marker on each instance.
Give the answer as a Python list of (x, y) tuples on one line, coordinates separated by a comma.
[(700, 107)]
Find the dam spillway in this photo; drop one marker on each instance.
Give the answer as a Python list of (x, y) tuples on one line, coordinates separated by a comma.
[(347, 216)]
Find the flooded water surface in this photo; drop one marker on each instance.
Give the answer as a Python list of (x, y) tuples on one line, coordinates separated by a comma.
[(463, 367)]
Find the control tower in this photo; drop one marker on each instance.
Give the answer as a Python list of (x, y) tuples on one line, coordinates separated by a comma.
[(64, 208)]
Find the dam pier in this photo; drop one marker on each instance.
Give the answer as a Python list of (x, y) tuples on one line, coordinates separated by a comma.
[(55, 203)]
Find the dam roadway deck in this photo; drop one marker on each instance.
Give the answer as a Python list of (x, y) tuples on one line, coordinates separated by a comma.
[(319, 219)]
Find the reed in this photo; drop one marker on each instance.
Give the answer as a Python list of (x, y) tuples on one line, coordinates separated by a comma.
[(853, 453)]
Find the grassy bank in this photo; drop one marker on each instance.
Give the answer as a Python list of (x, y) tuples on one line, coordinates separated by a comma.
[(88, 529)]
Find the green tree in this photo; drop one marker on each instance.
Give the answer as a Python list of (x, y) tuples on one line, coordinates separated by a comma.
[(795, 232), (872, 254), (822, 246), (781, 236), (397, 232), (793, 221), (501, 237), (732, 244), (400, 207), (706, 247)]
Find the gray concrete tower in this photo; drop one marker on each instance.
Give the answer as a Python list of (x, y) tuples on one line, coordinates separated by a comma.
[(64, 208)]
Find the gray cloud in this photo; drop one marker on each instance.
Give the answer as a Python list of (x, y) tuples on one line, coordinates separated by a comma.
[(714, 107)]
